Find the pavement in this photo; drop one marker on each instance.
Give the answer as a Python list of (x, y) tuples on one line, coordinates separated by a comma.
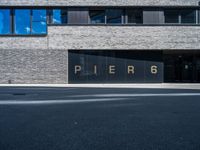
[(72, 118), (146, 85)]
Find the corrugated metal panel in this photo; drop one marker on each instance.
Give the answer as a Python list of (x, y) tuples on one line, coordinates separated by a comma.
[(153, 16), (78, 15)]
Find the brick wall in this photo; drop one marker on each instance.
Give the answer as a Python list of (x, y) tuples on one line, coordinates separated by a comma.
[(100, 2)]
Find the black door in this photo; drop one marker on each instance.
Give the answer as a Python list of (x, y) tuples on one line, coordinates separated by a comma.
[(180, 68)]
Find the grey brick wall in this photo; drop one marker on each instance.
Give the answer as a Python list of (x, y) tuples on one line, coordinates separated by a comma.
[(124, 37), (99, 2), (23, 42), (33, 66), (109, 37)]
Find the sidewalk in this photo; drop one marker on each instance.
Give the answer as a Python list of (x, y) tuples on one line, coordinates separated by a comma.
[(160, 85)]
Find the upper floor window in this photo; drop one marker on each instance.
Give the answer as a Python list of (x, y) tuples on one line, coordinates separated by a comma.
[(59, 16), (28, 21), (39, 25), (5, 19), (22, 21), (134, 16), (188, 16), (171, 16), (97, 16), (114, 16), (180, 16)]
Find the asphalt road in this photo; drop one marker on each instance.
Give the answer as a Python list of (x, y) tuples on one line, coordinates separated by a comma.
[(99, 119)]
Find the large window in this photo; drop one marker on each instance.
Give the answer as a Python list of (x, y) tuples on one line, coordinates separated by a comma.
[(39, 25), (171, 16), (114, 16), (22, 21), (59, 16), (135, 16), (97, 16), (188, 16), (27, 21), (180, 16), (5, 21)]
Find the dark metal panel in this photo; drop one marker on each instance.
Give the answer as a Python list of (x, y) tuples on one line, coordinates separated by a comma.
[(96, 65), (115, 66)]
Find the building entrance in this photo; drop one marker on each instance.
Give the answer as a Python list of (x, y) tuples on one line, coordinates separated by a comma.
[(182, 66)]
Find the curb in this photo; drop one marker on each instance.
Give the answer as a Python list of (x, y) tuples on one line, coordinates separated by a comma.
[(150, 86)]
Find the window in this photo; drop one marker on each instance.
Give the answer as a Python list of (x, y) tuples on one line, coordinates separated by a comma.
[(188, 16), (135, 16), (171, 16), (22, 21), (114, 15), (30, 21), (39, 25), (59, 16), (5, 21), (97, 16)]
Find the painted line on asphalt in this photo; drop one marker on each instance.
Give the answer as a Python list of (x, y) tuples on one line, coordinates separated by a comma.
[(100, 98), (139, 95), (47, 102)]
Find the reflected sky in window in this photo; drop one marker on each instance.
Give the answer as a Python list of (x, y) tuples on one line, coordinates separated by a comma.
[(39, 25), (4, 21), (22, 21), (97, 16), (114, 15), (39, 15), (39, 28), (57, 16)]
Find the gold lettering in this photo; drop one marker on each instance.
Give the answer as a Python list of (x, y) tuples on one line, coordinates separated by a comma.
[(131, 69), (111, 69), (95, 69), (154, 69), (77, 68)]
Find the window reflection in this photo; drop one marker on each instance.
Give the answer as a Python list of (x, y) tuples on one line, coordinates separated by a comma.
[(39, 15), (97, 16), (39, 25), (114, 15), (59, 16), (22, 21), (4, 21), (188, 16)]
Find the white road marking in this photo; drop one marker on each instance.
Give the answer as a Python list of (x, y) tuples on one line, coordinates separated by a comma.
[(139, 95), (99, 98), (46, 102)]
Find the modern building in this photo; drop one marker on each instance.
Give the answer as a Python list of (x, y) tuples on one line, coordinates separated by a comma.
[(99, 41)]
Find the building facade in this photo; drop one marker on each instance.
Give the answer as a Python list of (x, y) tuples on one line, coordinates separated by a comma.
[(99, 41)]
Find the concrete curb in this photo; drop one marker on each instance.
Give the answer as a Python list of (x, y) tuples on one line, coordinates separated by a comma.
[(162, 86)]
